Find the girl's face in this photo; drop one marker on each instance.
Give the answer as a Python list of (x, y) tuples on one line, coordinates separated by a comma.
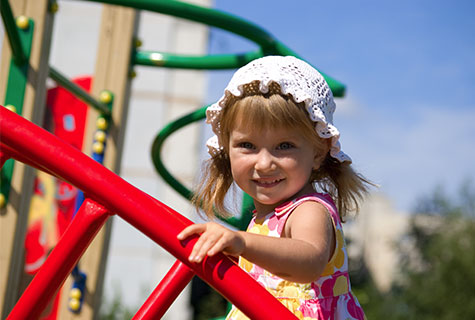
[(271, 165)]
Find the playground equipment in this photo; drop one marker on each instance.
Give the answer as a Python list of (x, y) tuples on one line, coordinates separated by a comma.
[(106, 193)]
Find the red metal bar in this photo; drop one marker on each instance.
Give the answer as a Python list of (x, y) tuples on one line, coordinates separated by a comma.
[(165, 293), (159, 222), (19, 157), (75, 240), (4, 156)]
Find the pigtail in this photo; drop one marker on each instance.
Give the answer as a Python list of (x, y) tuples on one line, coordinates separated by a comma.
[(210, 193), (342, 183)]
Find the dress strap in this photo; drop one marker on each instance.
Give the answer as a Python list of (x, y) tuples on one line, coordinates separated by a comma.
[(324, 199)]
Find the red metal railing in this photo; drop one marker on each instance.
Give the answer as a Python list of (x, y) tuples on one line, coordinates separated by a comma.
[(107, 194)]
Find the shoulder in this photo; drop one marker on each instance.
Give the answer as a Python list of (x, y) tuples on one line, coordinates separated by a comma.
[(311, 216), (313, 201), (323, 198), (309, 210)]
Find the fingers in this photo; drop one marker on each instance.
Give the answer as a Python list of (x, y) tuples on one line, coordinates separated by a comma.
[(194, 229), (211, 241), (191, 230), (202, 247), (217, 247)]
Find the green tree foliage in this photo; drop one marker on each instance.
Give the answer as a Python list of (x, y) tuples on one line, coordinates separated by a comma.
[(441, 283)]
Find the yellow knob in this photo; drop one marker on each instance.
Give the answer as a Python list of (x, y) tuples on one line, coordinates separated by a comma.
[(11, 107), (75, 293), (74, 304), (105, 97), (100, 136), (101, 124), (3, 200), (138, 43), (22, 22), (53, 8), (98, 147)]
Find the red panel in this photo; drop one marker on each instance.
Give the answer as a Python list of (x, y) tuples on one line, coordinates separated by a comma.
[(69, 113)]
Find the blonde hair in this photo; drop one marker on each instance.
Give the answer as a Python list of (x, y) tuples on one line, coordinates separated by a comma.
[(274, 111)]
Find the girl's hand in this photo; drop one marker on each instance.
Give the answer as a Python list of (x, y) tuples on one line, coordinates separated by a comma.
[(214, 238)]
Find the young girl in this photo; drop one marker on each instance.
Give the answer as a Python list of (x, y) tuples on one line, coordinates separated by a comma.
[(275, 140)]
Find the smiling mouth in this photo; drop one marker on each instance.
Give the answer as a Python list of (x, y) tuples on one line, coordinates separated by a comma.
[(267, 183)]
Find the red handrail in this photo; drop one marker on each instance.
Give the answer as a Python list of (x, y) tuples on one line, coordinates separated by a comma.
[(165, 293), (159, 222), (73, 243)]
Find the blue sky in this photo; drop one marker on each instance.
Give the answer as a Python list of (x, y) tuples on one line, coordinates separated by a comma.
[(408, 118)]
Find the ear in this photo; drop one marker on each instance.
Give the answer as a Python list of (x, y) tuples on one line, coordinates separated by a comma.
[(321, 153), (317, 160)]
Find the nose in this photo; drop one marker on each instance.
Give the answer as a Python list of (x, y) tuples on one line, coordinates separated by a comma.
[(265, 161)]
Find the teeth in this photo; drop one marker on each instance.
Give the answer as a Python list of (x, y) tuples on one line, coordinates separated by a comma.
[(269, 182)]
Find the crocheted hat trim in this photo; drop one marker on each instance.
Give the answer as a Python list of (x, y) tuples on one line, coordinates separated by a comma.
[(286, 76)]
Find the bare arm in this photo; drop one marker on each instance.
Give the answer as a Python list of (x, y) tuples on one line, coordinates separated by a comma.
[(300, 255)]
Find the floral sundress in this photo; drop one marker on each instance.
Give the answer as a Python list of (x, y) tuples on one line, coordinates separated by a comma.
[(330, 296)]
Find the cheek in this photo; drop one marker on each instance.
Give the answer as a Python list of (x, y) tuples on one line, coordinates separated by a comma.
[(303, 165), (295, 163), (238, 165), (240, 175)]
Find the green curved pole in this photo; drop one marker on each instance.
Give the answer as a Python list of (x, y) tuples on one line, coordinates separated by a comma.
[(268, 44), (210, 62), (240, 223), (200, 14), (158, 143)]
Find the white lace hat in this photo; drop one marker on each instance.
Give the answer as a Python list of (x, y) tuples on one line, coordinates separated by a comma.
[(294, 77)]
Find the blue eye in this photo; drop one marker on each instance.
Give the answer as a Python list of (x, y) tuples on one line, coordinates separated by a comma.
[(246, 145), (285, 146)]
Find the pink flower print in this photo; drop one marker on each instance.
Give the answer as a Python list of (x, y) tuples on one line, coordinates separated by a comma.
[(329, 269), (340, 254), (325, 309), (258, 270), (245, 265), (309, 310), (273, 222), (341, 286), (327, 287), (251, 224), (292, 305), (316, 289), (354, 309), (339, 258), (259, 229)]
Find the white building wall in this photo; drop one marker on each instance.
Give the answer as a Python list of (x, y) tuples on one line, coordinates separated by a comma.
[(158, 97), (375, 234)]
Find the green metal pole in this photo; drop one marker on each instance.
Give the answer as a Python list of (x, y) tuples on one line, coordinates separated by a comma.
[(210, 62), (78, 91), (267, 43), (157, 146), (203, 15), (248, 205), (15, 89), (13, 36)]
